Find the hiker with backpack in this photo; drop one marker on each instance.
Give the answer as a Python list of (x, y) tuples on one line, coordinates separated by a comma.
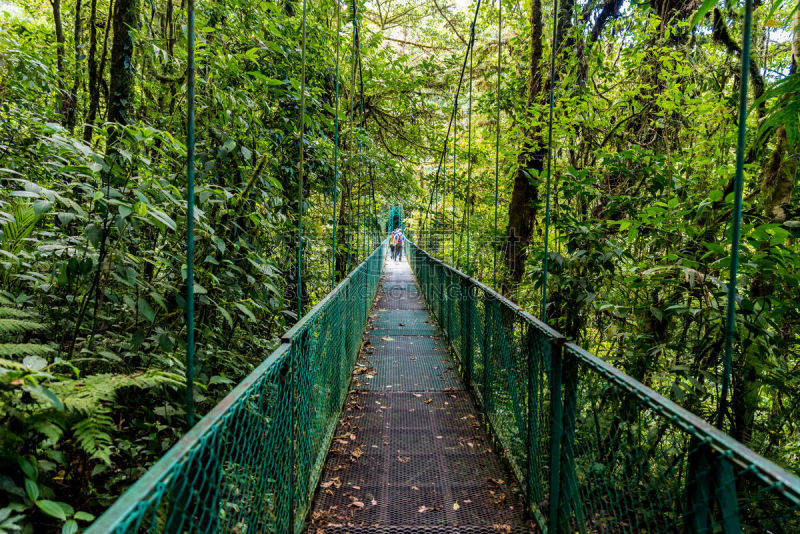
[(398, 247), (393, 244)]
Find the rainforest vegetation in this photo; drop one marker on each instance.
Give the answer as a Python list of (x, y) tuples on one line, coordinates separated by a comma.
[(93, 98)]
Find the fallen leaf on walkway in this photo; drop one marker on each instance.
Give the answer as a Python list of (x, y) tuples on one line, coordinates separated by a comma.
[(467, 501), (414, 488), (403, 459), (417, 394), (356, 487), (335, 482), (438, 437), (373, 502), (387, 338), (428, 401), (357, 453), (456, 506), (504, 529), (496, 481), (357, 504), (423, 509)]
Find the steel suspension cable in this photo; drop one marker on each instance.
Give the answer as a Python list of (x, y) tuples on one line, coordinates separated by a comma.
[(736, 229), (336, 146), (467, 200), (301, 166), (190, 216), (359, 224), (450, 123), (549, 160), (497, 137), (455, 131)]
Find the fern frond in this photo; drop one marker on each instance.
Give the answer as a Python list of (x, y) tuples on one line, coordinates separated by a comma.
[(15, 231), (10, 364), (14, 313), (24, 349), (94, 392), (18, 326), (94, 435)]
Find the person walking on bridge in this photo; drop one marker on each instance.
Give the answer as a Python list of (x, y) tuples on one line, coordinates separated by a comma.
[(398, 247), (393, 243)]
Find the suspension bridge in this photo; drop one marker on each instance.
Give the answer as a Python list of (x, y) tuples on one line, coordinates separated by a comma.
[(415, 398)]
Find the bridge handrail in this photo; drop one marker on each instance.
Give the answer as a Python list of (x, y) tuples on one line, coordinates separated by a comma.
[(612, 454), (251, 462)]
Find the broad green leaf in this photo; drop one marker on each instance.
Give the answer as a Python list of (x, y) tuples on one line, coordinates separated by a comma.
[(31, 489), (245, 310), (34, 363), (707, 6), (84, 516), (146, 310), (52, 508)]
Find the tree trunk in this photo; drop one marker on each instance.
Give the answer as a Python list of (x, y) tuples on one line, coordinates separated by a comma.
[(341, 232), (71, 98), (525, 195), (60, 45), (94, 83), (522, 209), (120, 98), (776, 188)]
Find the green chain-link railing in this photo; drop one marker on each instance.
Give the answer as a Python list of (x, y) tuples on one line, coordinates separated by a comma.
[(252, 464), (610, 454)]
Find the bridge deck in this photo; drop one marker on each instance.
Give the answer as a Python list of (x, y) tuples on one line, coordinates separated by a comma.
[(410, 453)]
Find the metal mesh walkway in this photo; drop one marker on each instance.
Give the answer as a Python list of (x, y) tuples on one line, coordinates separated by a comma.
[(410, 453)]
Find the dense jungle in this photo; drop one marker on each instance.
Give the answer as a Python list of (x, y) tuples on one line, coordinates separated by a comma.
[(93, 97)]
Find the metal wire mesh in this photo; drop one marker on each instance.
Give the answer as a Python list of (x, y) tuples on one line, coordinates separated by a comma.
[(252, 464), (411, 454), (594, 450)]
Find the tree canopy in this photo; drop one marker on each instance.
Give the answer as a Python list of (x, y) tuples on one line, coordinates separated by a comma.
[(93, 201)]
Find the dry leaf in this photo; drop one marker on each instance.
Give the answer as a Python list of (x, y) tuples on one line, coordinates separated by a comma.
[(335, 482), (428, 401), (424, 508), (356, 487), (417, 394), (387, 338), (357, 504), (403, 459), (438, 437), (414, 488), (456, 506), (357, 453), (503, 529)]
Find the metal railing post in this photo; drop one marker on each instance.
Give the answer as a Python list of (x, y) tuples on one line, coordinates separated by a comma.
[(555, 436), (466, 339)]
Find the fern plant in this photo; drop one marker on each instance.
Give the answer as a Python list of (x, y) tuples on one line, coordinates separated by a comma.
[(43, 404), (17, 323)]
